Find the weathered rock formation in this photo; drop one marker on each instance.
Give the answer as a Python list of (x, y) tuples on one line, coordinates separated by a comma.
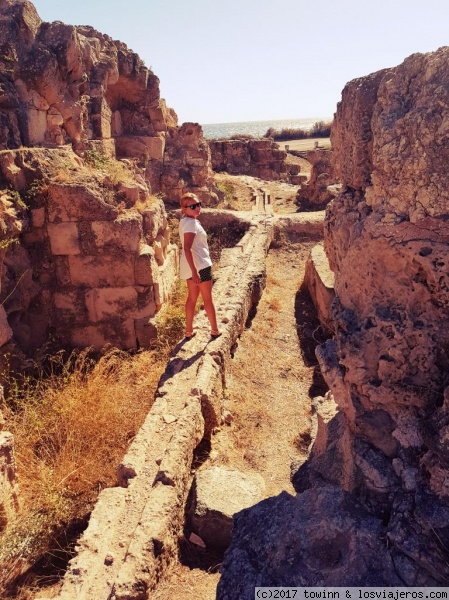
[(378, 475), (256, 157), (319, 190), (187, 164), (73, 85)]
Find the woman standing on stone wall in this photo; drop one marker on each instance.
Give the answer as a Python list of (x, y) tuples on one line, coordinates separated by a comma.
[(195, 264)]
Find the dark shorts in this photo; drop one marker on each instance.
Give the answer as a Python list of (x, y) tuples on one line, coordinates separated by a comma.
[(205, 274)]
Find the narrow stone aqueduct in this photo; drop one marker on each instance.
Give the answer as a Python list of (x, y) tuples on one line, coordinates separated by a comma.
[(372, 506)]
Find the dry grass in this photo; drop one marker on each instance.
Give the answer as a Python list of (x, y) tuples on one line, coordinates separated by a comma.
[(117, 171), (72, 424)]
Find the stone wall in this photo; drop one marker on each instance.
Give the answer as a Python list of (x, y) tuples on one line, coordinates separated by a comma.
[(86, 261), (387, 242), (256, 157)]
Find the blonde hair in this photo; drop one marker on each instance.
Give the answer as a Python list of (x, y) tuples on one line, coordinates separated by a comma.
[(188, 198)]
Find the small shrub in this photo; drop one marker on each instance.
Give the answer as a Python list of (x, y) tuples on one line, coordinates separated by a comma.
[(319, 129), (228, 191), (171, 319)]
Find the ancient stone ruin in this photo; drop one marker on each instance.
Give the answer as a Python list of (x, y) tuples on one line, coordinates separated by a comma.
[(373, 498), (256, 157), (86, 257)]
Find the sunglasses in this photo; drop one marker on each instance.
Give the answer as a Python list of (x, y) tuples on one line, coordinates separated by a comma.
[(193, 206)]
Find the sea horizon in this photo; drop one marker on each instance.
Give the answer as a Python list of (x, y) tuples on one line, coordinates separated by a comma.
[(257, 128)]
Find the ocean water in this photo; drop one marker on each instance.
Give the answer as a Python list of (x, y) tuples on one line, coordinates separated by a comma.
[(257, 128)]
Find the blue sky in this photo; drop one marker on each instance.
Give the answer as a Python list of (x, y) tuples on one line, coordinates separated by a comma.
[(249, 60)]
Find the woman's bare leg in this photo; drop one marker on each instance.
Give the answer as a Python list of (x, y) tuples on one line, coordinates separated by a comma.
[(205, 288), (193, 293)]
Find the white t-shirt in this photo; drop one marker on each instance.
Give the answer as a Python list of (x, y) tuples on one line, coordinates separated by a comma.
[(200, 249)]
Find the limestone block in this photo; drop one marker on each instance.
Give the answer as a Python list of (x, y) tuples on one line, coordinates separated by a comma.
[(8, 476), (54, 118), (35, 236), (104, 303), (74, 202), (149, 147), (167, 276), (117, 332), (37, 126), (5, 329), (102, 270), (146, 332), (63, 238), (159, 249), (218, 493), (69, 302), (125, 232), (158, 116), (145, 265), (38, 217), (152, 218), (116, 124), (319, 281), (100, 118), (62, 271), (131, 191)]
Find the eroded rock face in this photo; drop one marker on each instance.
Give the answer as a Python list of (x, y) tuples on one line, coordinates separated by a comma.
[(187, 164), (387, 242), (387, 239), (286, 541)]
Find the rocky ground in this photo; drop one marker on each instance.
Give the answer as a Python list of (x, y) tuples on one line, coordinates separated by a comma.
[(273, 377)]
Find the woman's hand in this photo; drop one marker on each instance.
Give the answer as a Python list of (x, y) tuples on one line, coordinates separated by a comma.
[(195, 277)]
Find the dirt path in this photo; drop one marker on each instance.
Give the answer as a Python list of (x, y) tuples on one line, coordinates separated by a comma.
[(269, 382), (272, 375)]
